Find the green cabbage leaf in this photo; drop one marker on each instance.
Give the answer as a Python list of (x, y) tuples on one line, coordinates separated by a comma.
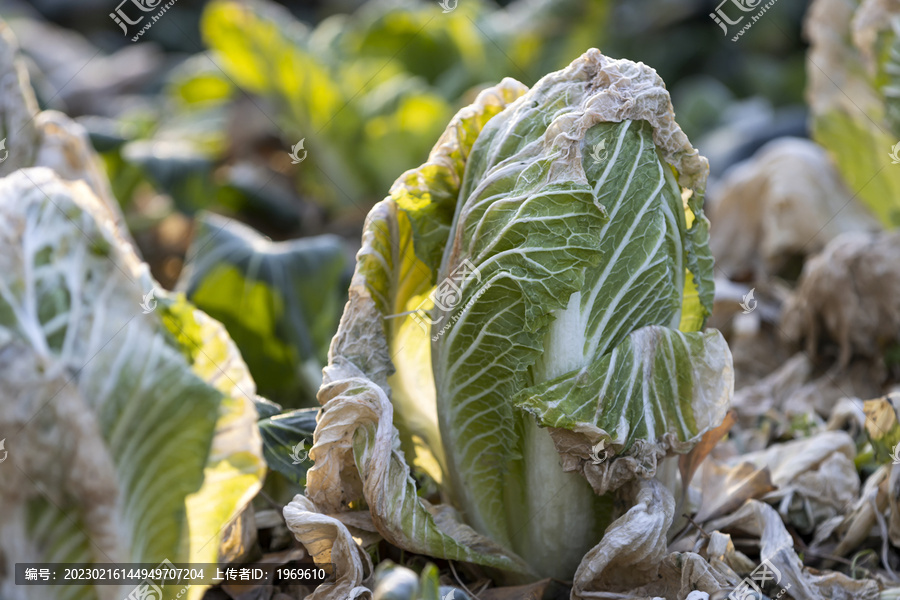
[(131, 425)]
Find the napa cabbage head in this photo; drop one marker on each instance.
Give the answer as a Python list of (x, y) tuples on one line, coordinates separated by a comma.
[(527, 311), (572, 213)]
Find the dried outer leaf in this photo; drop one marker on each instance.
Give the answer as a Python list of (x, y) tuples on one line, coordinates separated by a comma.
[(631, 560), (815, 477), (634, 545), (18, 106), (690, 462), (725, 558), (858, 525), (855, 526), (679, 576), (789, 460), (882, 426), (329, 543), (356, 459), (36, 138), (780, 205), (849, 294), (691, 573), (893, 497), (761, 521), (883, 430), (818, 495), (726, 488), (772, 391), (682, 576)]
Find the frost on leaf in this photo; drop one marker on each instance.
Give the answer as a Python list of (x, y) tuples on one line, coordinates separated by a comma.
[(137, 437)]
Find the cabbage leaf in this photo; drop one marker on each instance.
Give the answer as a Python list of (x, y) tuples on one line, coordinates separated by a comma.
[(133, 428), (279, 301)]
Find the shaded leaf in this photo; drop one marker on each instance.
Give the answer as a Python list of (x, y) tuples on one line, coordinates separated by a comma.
[(278, 300), (287, 439)]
